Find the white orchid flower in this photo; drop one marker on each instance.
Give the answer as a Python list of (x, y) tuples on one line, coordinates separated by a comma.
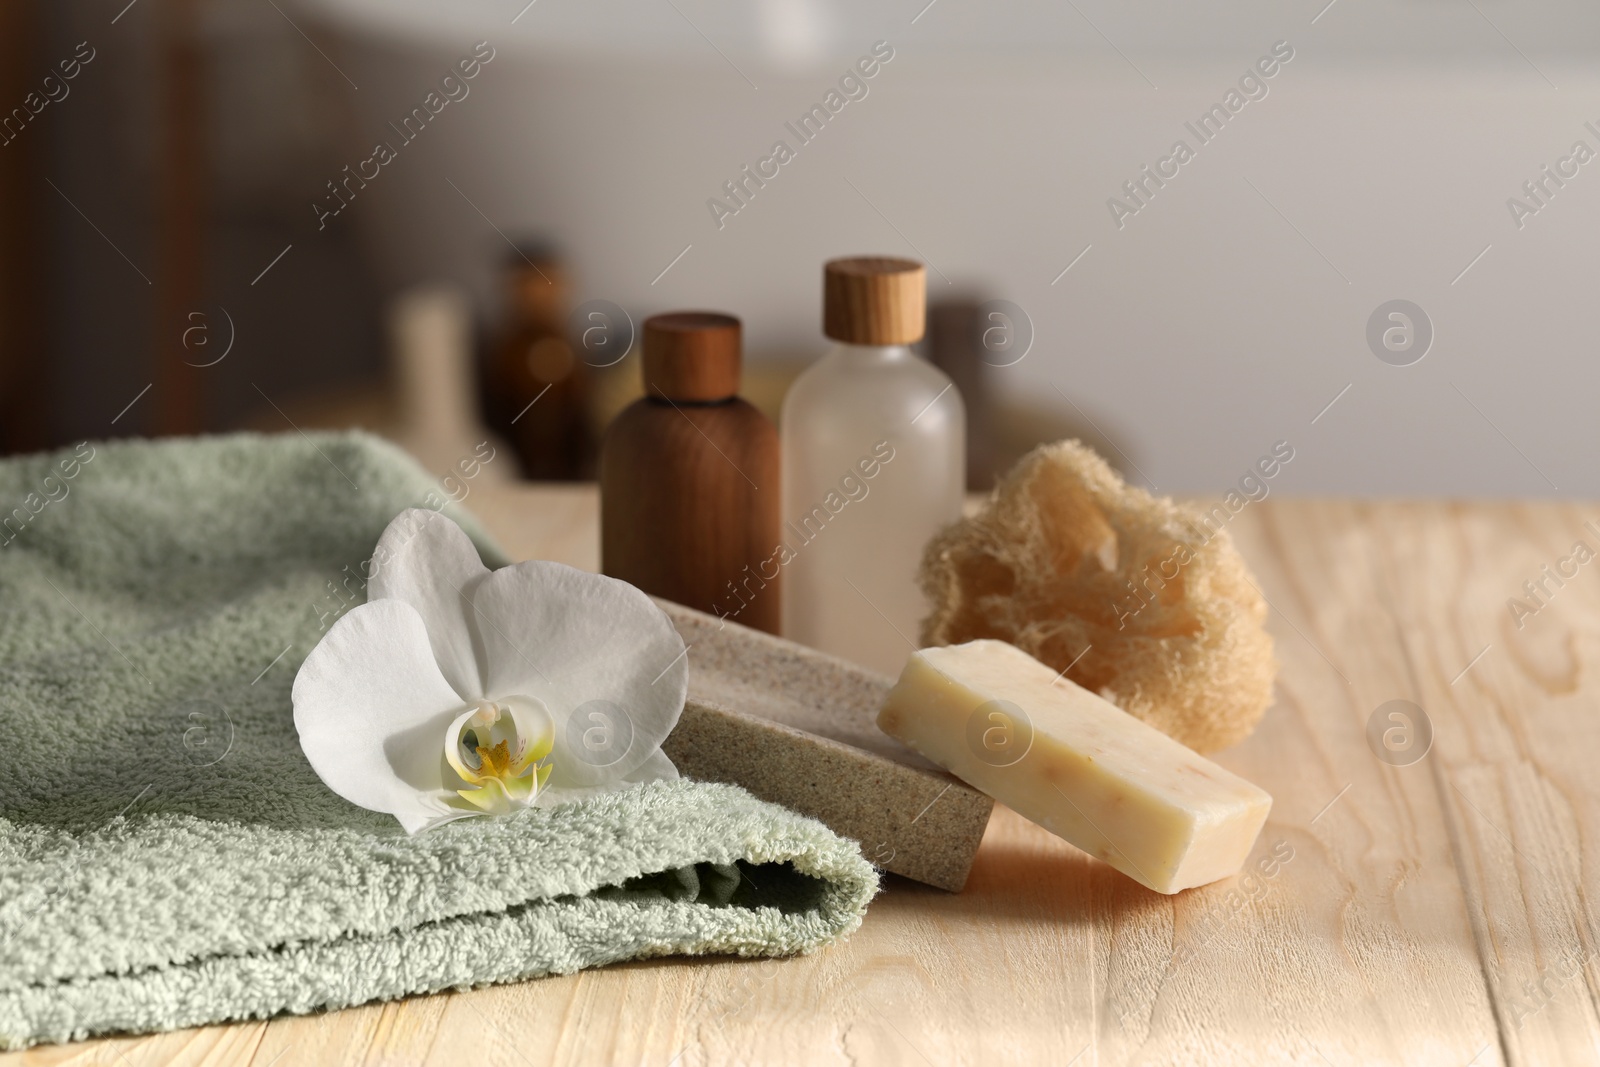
[(457, 691)]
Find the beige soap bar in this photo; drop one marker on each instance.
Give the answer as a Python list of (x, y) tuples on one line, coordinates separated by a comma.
[(1075, 764)]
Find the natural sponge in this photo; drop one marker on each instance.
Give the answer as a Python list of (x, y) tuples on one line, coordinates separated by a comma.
[(1139, 599)]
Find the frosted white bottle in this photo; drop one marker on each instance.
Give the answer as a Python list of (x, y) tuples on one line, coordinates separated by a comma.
[(874, 462)]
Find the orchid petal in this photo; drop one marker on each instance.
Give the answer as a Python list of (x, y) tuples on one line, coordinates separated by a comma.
[(370, 706), (453, 746), (417, 822), (427, 561), (656, 768), (604, 660)]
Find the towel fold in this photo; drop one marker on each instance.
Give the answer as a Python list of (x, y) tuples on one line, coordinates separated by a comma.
[(167, 856)]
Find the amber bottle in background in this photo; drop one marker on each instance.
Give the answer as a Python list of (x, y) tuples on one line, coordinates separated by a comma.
[(689, 493), (538, 387)]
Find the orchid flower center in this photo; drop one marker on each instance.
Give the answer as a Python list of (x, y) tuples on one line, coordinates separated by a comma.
[(496, 747)]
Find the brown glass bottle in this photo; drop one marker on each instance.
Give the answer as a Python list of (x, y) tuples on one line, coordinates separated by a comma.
[(538, 387), (689, 493)]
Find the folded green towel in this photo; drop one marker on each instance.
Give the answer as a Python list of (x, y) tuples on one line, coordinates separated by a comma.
[(167, 856)]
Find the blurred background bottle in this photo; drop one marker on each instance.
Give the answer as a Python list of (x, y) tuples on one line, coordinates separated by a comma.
[(433, 414), (874, 463), (538, 389)]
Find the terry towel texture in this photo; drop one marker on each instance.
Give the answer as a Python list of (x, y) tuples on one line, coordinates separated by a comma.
[(167, 856)]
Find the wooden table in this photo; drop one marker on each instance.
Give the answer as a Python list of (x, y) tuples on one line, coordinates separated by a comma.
[(1435, 913)]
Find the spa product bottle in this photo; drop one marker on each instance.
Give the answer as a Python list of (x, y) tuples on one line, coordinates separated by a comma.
[(538, 387), (689, 491), (874, 457), (435, 417)]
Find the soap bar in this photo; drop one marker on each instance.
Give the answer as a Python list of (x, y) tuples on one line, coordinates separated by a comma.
[(1075, 764)]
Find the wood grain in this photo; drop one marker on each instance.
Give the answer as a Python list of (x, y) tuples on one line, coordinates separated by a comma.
[(1436, 913), (690, 507), (874, 300)]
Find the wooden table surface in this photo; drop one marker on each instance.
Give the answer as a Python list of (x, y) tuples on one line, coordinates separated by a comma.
[(1435, 913)]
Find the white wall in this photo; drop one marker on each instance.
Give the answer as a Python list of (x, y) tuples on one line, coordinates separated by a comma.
[(1221, 318)]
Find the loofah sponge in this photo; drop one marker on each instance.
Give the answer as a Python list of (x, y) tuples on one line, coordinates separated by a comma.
[(1066, 557)]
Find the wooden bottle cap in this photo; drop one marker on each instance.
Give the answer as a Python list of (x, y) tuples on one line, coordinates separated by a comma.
[(691, 356), (874, 300)]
